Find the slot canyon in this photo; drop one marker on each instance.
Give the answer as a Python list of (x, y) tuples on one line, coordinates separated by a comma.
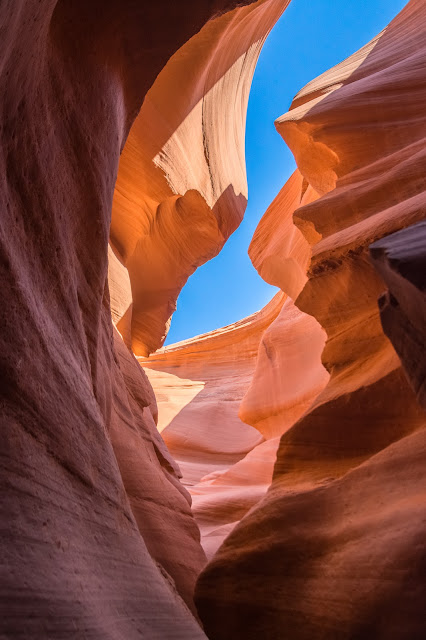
[(265, 480)]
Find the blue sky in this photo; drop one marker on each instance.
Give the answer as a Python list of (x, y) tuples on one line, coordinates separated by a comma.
[(311, 37)]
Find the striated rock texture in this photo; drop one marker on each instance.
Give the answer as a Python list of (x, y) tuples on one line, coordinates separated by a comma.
[(179, 194), (401, 261), (98, 537), (265, 371), (336, 548)]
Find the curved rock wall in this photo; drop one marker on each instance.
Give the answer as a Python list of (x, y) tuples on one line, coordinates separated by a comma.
[(99, 540), (336, 547), (199, 385), (289, 373), (181, 188), (297, 432)]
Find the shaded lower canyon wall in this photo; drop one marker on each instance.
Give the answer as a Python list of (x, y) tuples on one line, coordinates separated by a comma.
[(98, 538), (401, 261)]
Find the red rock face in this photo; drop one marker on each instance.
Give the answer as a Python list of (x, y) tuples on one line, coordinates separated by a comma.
[(297, 432), (336, 547), (99, 540)]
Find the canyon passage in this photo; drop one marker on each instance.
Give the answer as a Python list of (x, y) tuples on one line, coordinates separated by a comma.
[(265, 479)]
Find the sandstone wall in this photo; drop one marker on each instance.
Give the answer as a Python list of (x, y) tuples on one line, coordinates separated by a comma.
[(298, 433), (181, 188), (336, 547), (99, 540), (199, 385)]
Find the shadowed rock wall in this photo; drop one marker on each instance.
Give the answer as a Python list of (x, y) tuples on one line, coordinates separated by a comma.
[(99, 540), (401, 261)]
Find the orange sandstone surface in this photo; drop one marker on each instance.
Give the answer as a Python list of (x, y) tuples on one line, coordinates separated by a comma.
[(181, 187), (336, 548), (275, 465), (264, 371)]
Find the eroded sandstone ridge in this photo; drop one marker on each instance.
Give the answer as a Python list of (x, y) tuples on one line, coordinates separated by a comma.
[(336, 548), (98, 539), (181, 187)]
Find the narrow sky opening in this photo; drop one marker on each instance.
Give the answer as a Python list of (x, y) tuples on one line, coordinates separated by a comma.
[(309, 38)]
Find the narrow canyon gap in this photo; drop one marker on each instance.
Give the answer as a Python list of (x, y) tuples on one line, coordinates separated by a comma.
[(298, 431)]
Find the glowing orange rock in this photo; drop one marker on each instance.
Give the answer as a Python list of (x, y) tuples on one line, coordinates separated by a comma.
[(336, 547), (289, 373), (178, 195)]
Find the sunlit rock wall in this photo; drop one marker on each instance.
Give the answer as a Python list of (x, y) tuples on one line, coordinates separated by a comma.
[(336, 548), (181, 188), (289, 373)]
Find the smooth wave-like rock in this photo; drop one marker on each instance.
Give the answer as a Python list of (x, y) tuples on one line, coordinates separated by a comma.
[(264, 371), (296, 432), (336, 547), (289, 373), (98, 539), (181, 187)]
